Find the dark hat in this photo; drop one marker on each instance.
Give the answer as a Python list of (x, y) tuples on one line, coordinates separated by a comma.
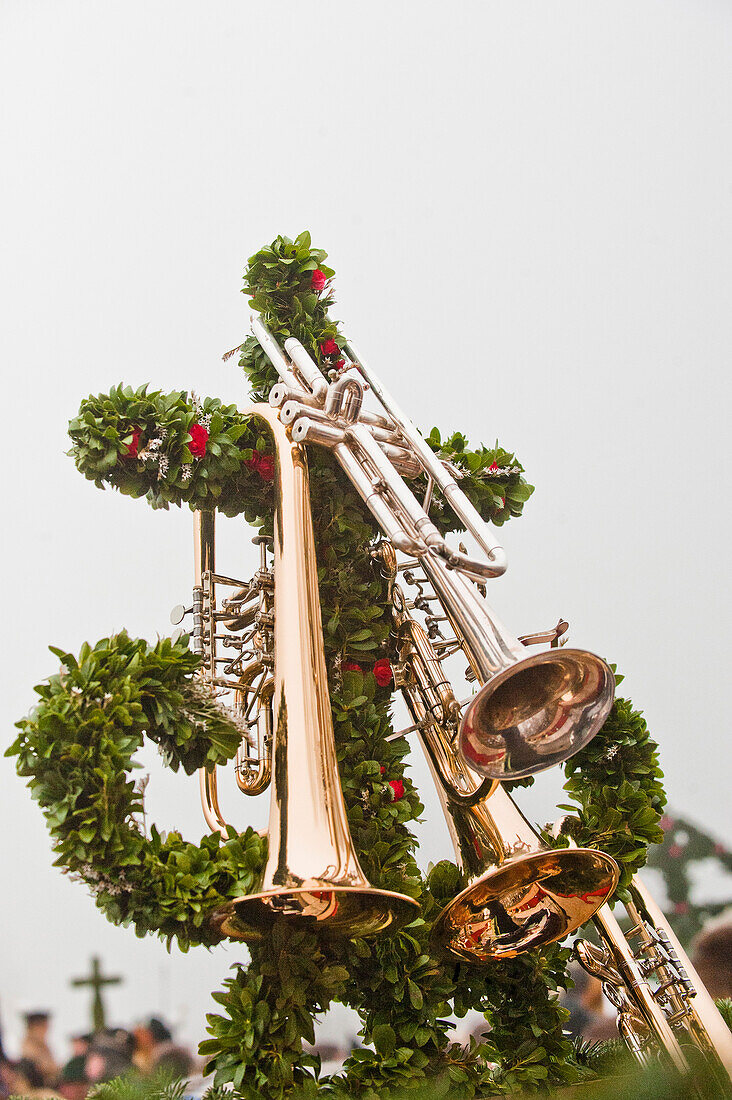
[(159, 1031), (36, 1017)]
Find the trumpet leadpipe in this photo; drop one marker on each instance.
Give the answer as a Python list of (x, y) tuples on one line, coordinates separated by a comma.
[(275, 355), (312, 429), (452, 493), (307, 367)]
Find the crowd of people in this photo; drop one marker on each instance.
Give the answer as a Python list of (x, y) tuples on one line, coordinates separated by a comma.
[(94, 1057), (149, 1046)]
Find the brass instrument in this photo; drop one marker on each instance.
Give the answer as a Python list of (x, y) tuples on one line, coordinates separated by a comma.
[(661, 1002), (531, 712), (520, 894), (274, 625)]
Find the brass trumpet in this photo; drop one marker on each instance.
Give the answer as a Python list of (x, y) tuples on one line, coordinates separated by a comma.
[(520, 894), (661, 1002), (531, 712), (312, 870)]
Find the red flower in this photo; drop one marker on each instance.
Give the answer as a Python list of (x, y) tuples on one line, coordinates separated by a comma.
[(318, 280), (198, 440), (675, 851), (382, 769), (132, 448), (397, 788), (681, 908), (350, 666), (339, 364), (493, 468), (383, 672), (329, 347), (263, 464), (266, 468)]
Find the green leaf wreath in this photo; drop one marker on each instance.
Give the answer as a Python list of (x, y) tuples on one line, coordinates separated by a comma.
[(77, 748)]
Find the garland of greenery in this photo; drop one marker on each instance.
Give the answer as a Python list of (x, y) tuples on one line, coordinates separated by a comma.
[(616, 780), (401, 991), (172, 448), (77, 748)]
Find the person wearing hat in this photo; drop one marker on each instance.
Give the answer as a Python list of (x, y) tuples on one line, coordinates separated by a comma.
[(74, 1084), (109, 1055), (35, 1048), (150, 1036)]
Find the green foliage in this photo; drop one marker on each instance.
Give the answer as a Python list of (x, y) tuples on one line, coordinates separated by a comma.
[(402, 989), (616, 781), (257, 1045), (490, 477), (133, 1086), (724, 1004), (77, 747), (164, 469), (279, 282)]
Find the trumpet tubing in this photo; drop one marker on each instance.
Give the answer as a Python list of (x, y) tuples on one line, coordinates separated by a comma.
[(519, 893), (312, 871), (532, 711), (662, 1004)]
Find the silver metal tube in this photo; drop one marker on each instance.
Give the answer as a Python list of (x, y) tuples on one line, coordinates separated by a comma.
[(291, 408), (278, 360), (308, 368), (311, 429), (457, 500)]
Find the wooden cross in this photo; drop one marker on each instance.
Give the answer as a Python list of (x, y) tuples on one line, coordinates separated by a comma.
[(97, 981)]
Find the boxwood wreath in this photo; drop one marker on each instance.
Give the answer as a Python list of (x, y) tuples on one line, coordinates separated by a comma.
[(76, 749)]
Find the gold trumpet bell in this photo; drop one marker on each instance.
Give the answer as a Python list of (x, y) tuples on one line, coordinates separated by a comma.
[(312, 874), (350, 911), (527, 902), (535, 713)]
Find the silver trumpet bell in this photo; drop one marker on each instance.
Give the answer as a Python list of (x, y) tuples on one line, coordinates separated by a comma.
[(536, 712), (532, 712)]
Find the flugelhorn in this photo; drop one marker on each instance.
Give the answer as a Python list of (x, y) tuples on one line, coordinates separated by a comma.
[(663, 1008), (519, 893), (532, 711), (278, 676)]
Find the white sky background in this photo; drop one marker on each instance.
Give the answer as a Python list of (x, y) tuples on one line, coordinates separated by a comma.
[(528, 209)]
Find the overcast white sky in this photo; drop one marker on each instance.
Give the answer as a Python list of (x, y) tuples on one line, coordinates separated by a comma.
[(528, 208)]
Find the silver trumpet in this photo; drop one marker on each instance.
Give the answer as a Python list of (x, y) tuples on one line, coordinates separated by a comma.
[(532, 712)]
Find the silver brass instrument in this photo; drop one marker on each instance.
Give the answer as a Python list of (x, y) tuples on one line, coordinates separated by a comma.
[(520, 894), (531, 712), (278, 677), (661, 1002)]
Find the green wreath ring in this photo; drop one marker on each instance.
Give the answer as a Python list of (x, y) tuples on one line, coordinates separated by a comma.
[(77, 747)]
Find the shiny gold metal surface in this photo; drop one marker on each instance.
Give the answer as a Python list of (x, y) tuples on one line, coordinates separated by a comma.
[(312, 872), (520, 894), (532, 712), (536, 712), (663, 1007)]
